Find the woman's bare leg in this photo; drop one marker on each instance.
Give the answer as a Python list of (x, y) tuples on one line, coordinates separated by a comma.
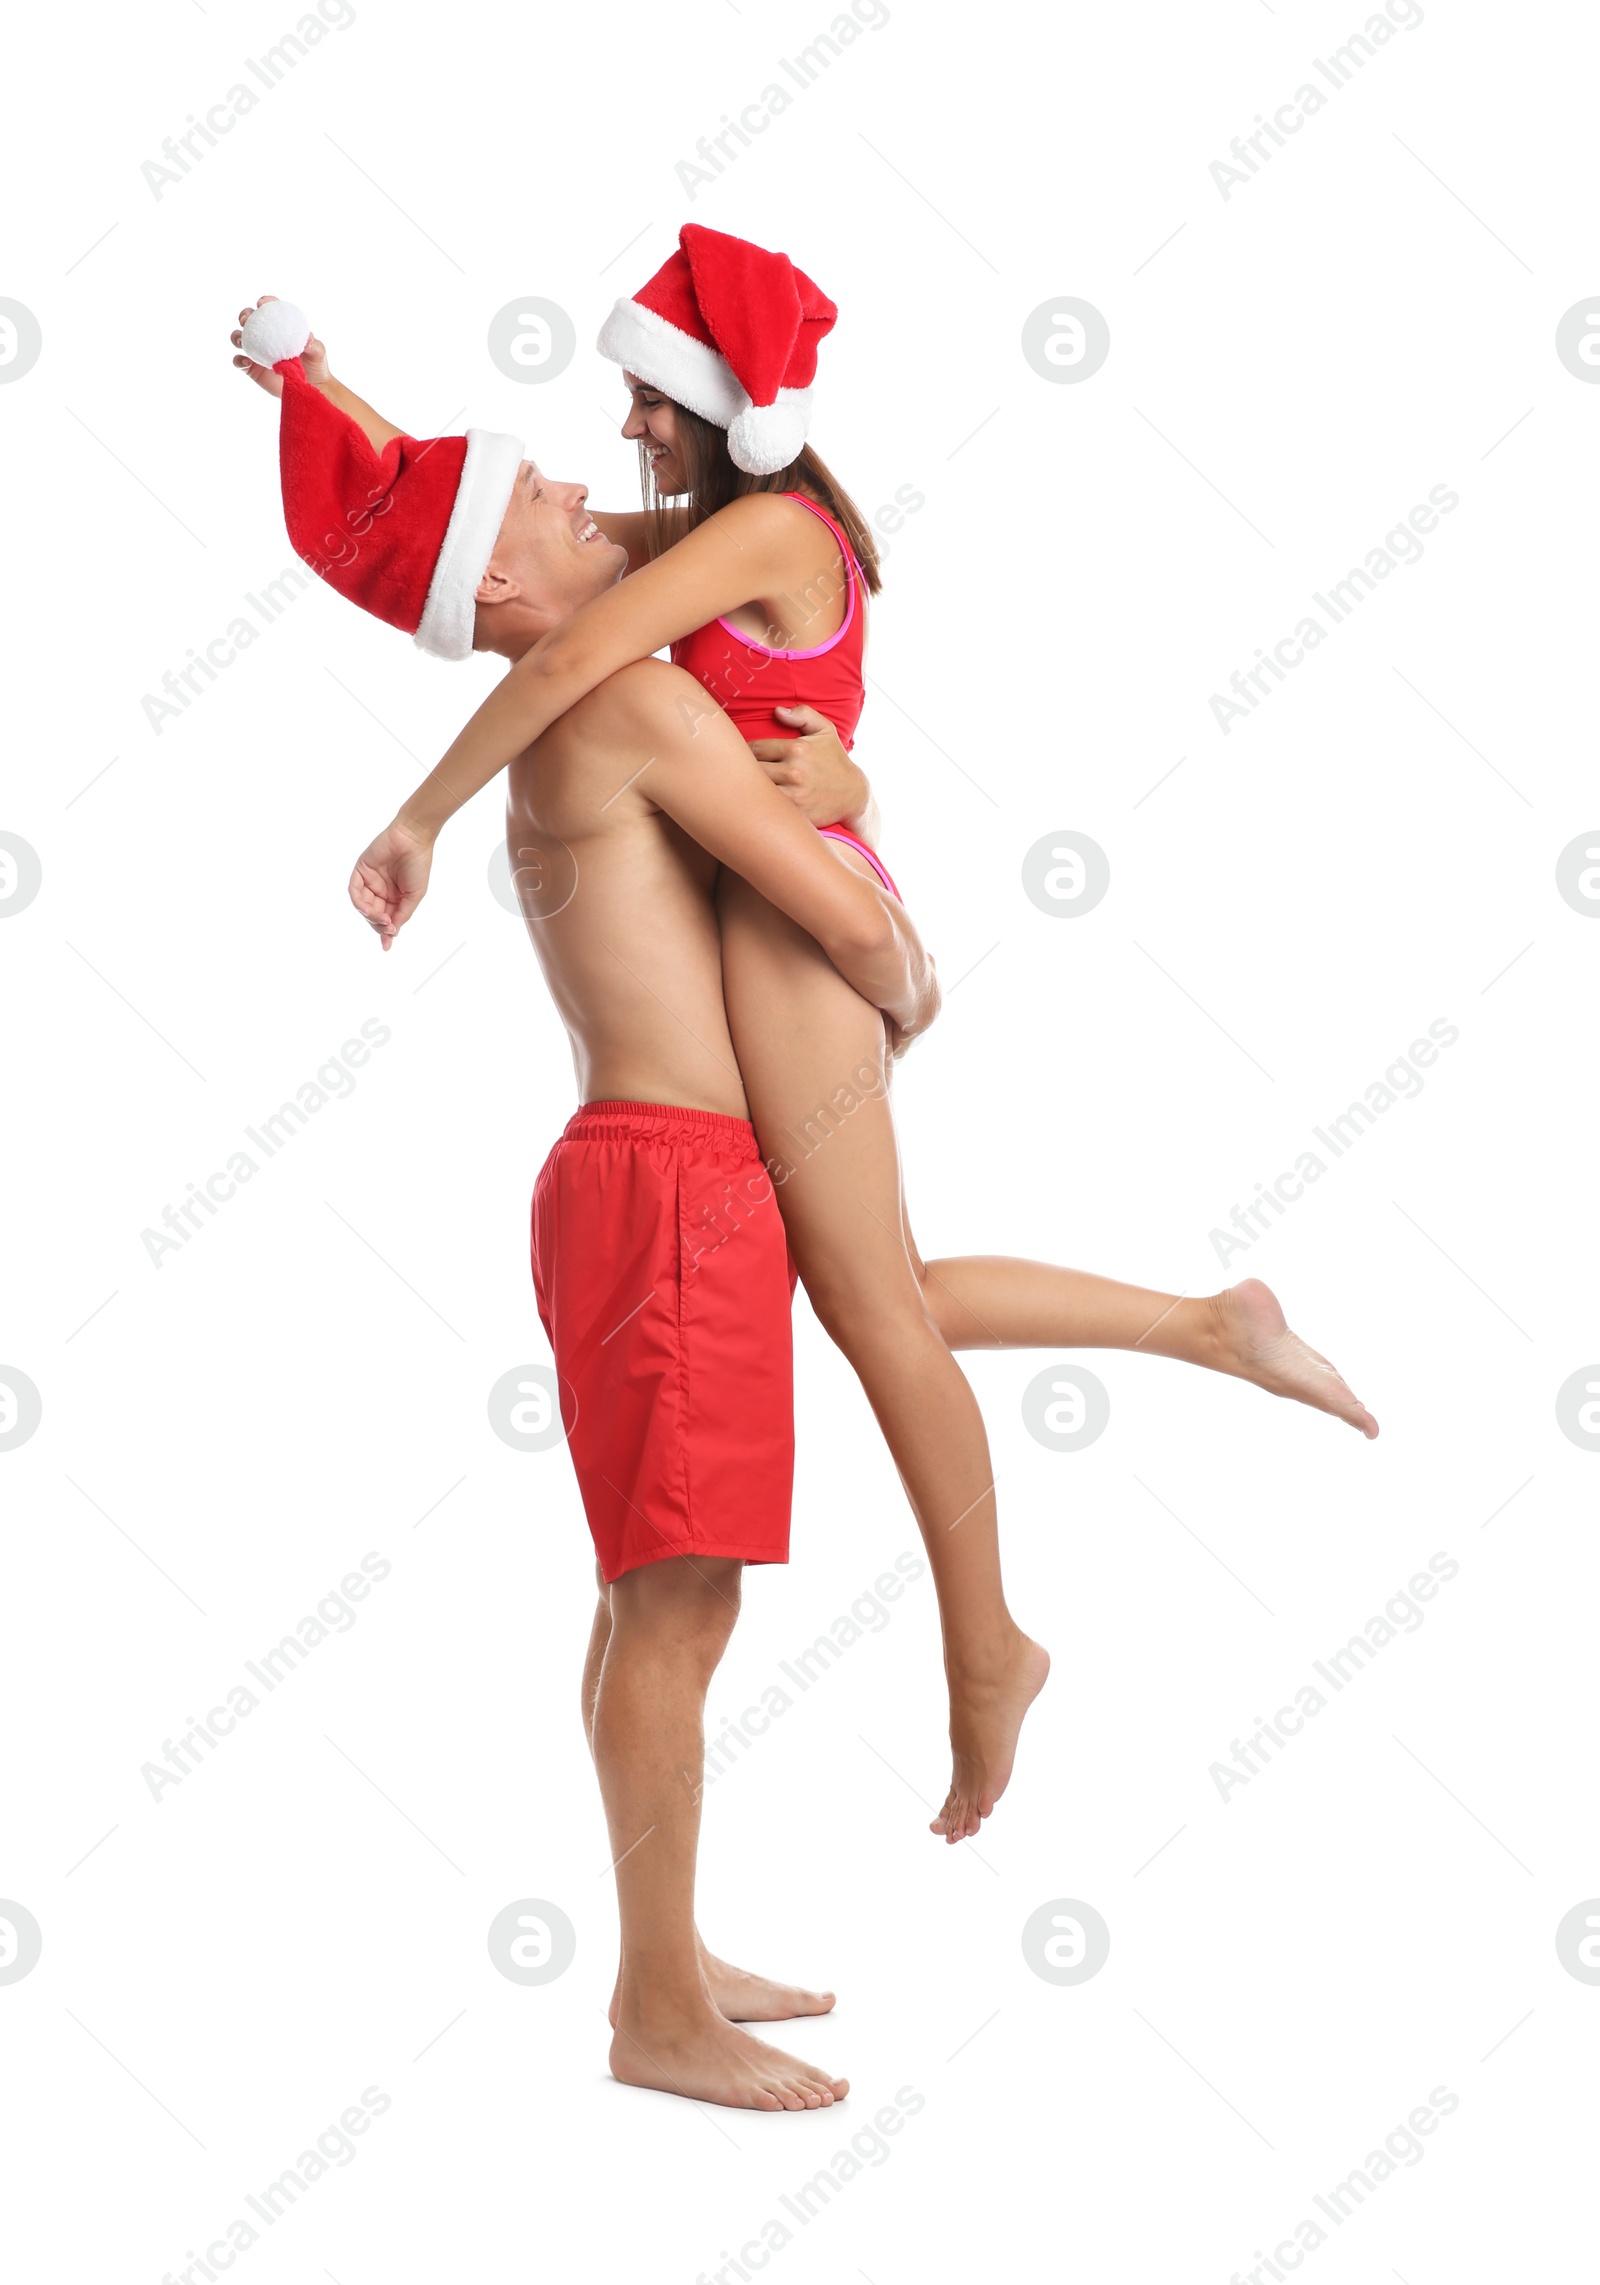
[(808, 1047), (991, 1301)]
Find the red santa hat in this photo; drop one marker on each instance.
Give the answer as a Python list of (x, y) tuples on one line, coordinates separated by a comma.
[(731, 331), (407, 533)]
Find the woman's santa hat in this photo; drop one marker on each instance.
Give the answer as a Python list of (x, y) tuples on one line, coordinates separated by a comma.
[(407, 533), (731, 331)]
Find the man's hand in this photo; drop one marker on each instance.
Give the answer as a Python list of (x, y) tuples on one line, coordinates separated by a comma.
[(391, 879), (314, 357), (814, 770)]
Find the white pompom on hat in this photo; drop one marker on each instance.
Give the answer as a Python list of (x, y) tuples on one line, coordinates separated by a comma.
[(275, 330), (731, 331)]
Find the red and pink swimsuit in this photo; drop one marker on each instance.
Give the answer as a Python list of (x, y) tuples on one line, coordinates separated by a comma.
[(748, 679)]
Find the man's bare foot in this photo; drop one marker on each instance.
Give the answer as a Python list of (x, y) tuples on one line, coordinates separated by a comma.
[(1255, 1344), (709, 2060), (746, 1998), (985, 1722)]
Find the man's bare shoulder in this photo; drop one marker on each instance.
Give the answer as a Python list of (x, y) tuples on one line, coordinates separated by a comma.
[(648, 712)]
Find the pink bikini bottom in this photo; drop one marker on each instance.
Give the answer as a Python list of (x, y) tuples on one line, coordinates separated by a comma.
[(844, 834)]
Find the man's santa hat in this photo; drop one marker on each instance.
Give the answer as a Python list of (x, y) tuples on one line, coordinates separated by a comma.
[(407, 533), (731, 331)]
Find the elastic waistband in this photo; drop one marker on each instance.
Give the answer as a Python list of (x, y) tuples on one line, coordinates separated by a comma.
[(658, 1122)]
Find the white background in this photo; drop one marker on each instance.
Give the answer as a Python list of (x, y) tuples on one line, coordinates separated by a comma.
[(1371, 315)]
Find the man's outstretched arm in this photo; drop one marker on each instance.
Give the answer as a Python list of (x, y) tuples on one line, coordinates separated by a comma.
[(314, 358)]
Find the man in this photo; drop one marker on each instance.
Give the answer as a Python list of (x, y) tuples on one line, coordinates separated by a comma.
[(660, 1260)]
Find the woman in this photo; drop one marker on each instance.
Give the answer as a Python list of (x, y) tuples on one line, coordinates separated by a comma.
[(758, 576)]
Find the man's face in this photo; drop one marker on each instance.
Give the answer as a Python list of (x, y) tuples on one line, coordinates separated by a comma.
[(550, 555)]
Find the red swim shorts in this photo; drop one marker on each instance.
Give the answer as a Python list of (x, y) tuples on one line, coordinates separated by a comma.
[(663, 1278)]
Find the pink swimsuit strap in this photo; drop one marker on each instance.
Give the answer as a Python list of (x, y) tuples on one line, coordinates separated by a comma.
[(852, 573)]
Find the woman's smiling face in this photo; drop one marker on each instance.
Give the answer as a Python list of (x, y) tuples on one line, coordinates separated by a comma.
[(653, 422)]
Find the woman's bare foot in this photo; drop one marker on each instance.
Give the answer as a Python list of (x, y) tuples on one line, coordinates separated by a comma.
[(703, 2056), (986, 1716), (1255, 1344), (746, 1998)]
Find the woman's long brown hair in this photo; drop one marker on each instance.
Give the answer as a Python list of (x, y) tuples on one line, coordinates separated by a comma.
[(714, 480)]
